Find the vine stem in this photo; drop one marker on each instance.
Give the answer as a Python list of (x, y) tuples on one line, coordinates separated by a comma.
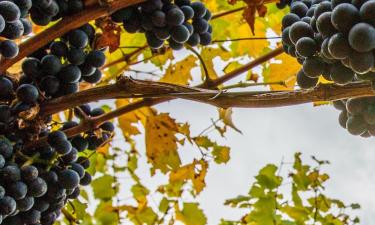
[(92, 12), (93, 123)]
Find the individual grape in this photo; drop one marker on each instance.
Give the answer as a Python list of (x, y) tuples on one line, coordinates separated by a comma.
[(313, 67), (32, 67), (355, 106), (78, 38), (146, 23), (362, 37), (358, 3), (50, 85), (199, 9), (289, 19), (97, 112), (69, 179), (86, 179), (9, 11), (194, 39), (335, 3), (7, 205), (339, 105), (29, 173), (182, 2), (132, 25), (24, 4), (51, 64), (369, 115), (56, 136), (94, 78), (356, 125), (96, 58), (17, 190), (25, 204), (6, 149), (189, 12), (2, 164), (322, 8), (153, 41), (27, 93), (306, 47), (324, 51), (341, 74), (338, 46), (343, 118), (200, 26), (13, 30), (31, 217), (37, 187), (69, 74), (304, 81), (299, 30), (366, 76), (367, 12), (6, 87), (310, 12), (151, 6), (344, 17), (122, 14), (191, 27), (161, 33), (306, 19), (299, 9), (324, 25), (63, 147), (76, 56), (69, 88), (361, 62), (175, 17), (158, 19), (285, 36), (86, 69), (107, 126), (27, 26), (2, 23), (75, 6), (84, 162), (180, 34)]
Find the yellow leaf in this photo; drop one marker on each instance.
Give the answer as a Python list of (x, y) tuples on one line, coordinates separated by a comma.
[(179, 73), (127, 121), (226, 116), (209, 54), (195, 171), (161, 142), (284, 69)]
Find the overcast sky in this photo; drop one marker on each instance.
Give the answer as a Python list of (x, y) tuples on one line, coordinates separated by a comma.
[(271, 134)]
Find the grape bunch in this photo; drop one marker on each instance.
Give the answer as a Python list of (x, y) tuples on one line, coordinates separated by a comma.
[(161, 20), (13, 25), (357, 115), (59, 68), (335, 39), (36, 182), (45, 11)]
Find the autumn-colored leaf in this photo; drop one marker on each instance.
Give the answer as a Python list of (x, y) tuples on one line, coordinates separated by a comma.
[(110, 36), (179, 73), (284, 69), (161, 142)]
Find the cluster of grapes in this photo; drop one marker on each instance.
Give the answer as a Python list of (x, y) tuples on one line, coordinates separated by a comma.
[(161, 20), (36, 182), (13, 25), (334, 38), (357, 115), (58, 68), (43, 12)]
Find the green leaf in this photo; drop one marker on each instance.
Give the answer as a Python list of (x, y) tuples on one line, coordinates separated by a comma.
[(267, 177), (221, 154), (103, 187), (191, 214)]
